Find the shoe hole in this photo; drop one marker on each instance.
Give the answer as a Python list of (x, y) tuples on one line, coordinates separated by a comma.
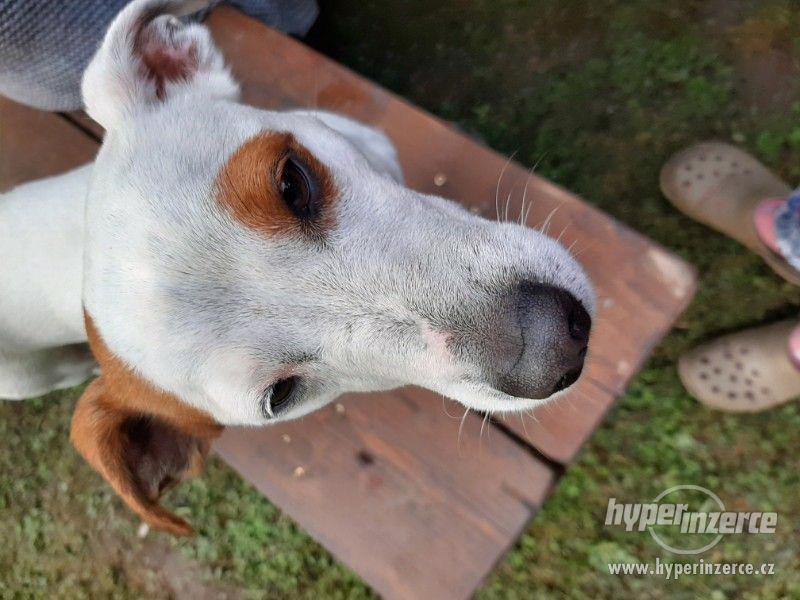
[(686, 184), (732, 395), (750, 396), (748, 381), (744, 351), (733, 378), (704, 360), (688, 167), (755, 372), (739, 365), (715, 389), (765, 391), (717, 371), (700, 177), (704, 376)]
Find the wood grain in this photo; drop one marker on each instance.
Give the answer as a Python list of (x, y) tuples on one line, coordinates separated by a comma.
[(384, 482)]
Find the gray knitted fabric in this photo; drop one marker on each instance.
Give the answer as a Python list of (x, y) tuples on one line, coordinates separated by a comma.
[(46, 44)]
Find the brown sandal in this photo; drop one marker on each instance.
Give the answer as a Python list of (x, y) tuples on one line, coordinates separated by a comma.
[(747, 371), (720, 185)]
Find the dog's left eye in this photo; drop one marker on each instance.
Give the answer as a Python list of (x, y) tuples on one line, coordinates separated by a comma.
[(298, 188), (280, 395)]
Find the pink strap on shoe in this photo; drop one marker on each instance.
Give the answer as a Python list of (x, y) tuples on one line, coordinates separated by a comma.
[(794, 347), (764, 220)]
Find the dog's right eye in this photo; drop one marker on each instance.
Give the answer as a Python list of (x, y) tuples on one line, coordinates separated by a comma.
[(279, 396), (282, 391), (299, 189)]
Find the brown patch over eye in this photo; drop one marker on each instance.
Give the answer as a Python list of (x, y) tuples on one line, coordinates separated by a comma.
[(274, 185)]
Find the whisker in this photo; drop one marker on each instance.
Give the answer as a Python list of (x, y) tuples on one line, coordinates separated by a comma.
[(546, 225), (582, 250), (587, 397), (499, 181), (531, 414), (563, 231), (508, 202), (480, 435), (538, 162), (524, 428), (530, 174), (523, 214), (528, 212), (444, 408), (460, 428)]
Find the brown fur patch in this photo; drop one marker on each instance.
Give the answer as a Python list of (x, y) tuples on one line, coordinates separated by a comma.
[(249, 186), (136, 395), (142, 440)]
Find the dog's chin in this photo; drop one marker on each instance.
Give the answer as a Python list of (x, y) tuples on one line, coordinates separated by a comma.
[(484, 398)]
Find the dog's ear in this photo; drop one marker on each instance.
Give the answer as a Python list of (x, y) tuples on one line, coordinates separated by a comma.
[(148, 56), (142, 456), (372, 143)]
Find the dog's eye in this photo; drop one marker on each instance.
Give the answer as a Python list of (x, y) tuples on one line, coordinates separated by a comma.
[(298, 188), (280, 394)]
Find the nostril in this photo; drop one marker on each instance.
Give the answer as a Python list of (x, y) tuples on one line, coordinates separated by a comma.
[(568, 379), (579, 323), (539, 301)]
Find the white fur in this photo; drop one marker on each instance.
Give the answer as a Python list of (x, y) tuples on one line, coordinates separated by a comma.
[(41, 319), (114, 90), (214, 312)]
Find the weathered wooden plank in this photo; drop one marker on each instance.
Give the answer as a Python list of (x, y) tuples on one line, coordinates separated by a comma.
[(642, 288), (34, 144), (387, 485), (387, 482)]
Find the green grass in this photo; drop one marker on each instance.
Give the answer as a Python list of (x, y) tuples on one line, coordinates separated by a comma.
[(599, 94)]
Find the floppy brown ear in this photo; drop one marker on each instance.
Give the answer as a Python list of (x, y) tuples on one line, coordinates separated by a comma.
[(141, 455)]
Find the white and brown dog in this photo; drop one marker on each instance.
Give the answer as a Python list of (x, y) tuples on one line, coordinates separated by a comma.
[(236, 266)]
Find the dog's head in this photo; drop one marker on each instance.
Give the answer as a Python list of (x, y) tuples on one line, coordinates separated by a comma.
[(253, 265)]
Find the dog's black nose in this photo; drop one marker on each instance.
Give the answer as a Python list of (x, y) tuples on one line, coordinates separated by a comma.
[(553, 329)]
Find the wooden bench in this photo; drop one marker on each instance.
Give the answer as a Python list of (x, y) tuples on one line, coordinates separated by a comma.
[(384, 481)]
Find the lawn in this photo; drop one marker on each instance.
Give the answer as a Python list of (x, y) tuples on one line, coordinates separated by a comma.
[(597, 94)]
